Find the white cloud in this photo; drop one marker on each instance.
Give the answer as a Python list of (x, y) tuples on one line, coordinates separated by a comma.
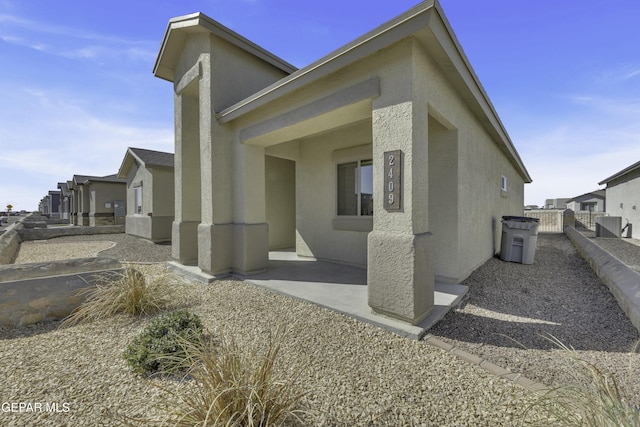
[(66, 138), (570, 160), (84, 45)]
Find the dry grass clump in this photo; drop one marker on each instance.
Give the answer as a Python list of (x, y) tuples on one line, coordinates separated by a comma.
[(128, 292), (593, 398), (236, 388)]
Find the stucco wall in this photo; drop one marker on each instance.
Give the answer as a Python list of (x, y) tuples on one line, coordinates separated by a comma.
[(163, 192), (31, 293), (462, 202), (280, 193), (139, 224), (238, 74), (10, 242), (444, 198), (316, 197), (84, 205), (103, 193), (158, 200), (623, 201), (101, 201), (480, 166)]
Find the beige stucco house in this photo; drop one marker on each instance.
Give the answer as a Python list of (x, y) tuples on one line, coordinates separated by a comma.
[(591, 202), (94, 199), (385, 154), (623, 197), (150, 193), (65, 200)]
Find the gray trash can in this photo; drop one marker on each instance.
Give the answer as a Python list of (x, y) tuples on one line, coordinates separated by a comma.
[(519, 239)]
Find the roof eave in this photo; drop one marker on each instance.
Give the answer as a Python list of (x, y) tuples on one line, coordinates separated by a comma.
[(623, 172), (179, 27), (405, 25)]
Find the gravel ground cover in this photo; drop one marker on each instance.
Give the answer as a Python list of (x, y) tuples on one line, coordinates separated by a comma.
[(124, 247), (54, 250), (626, 250), (357, 375), (512, 307)]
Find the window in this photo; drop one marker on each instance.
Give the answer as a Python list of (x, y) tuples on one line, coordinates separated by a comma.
[(503, 183), (355, 188), (138, 199)]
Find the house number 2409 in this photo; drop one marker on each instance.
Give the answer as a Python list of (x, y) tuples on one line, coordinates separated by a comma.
[(393, 180)]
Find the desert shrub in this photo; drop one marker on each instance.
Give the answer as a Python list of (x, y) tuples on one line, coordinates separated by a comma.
[(160, 347), (127, 291), (236, 388)]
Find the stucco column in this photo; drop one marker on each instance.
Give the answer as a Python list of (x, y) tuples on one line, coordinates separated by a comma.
[(250, 229), (400, 272), (184, 230), (215, 233), (83, 212)]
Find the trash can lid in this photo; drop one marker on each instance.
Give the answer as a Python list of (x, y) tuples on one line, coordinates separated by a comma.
[(520, 218)]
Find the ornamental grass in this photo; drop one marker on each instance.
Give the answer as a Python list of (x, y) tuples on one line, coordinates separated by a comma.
[(233, 387), (593, 397), (127, 291)]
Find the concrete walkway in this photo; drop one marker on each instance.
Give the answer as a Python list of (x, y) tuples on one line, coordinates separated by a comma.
[(337, 287)]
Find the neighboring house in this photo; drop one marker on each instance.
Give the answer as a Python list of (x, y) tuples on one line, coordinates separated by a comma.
[(592, 202), (623, 197), (65, 200), (556, 203), (150, 193), (49, 206), (94, 199), (43, 206), (386, 154), (54, 203)]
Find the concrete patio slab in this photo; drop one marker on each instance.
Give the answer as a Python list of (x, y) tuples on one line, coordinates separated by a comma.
[(336, 287)]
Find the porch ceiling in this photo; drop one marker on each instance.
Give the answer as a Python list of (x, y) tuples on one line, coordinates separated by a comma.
[(276, 130)]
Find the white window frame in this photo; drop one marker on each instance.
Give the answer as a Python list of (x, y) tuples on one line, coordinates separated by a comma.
[(358, 183), (503, 183), (137, 199), (362, 223)]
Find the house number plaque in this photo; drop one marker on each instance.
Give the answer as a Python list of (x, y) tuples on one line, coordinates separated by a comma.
[(393, 180)]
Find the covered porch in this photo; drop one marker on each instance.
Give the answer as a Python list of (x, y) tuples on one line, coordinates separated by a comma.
[(337, 287)]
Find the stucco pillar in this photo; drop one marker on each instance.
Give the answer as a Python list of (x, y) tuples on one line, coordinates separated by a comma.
[(84, 209), (250, 229), (215, 233), (400, 272), (184, 230)]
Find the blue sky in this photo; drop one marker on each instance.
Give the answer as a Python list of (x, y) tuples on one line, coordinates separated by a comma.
[(77, 89)]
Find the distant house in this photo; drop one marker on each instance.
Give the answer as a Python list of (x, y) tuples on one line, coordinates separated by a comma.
[(65, 200), (43, 206), (592, 202), (150, 193), (94, 199), (385, 154), (623, 197), (556, 203), (50, 205)]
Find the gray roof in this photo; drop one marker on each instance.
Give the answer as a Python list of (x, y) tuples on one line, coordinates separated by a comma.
[(64, 188), (598, 194), (83, 179), (152, 158), (623, 172), (144, 158)]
